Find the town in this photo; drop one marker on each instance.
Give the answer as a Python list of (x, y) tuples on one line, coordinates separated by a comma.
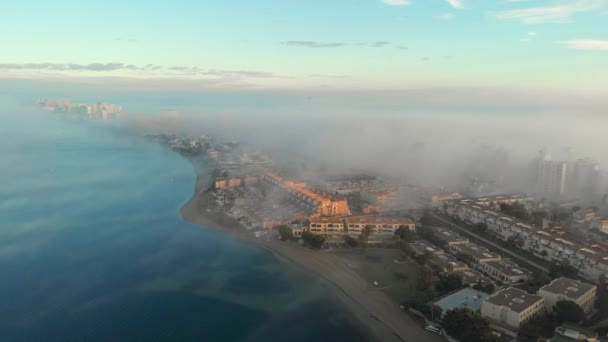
[(471, 268)]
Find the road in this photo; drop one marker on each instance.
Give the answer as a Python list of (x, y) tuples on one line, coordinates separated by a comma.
[(490, 243)]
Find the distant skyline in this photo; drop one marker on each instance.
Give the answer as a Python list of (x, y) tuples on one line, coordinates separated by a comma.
[(312, 44)]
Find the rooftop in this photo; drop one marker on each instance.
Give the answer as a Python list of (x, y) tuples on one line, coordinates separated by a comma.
[(476, 251), (377, 220), (465, 298), (332, 220), (448, 235), (513, 298), (421, 246), (447, 260), (508, 268), (568, 287)]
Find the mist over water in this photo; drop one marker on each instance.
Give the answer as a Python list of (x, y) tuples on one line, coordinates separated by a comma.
[(92, 247)]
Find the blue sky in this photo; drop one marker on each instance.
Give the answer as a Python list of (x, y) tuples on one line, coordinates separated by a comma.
[(316, 44)]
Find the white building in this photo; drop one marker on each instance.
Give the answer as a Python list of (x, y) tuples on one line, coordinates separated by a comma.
[(477, 253), (512, 307), (548, 177), (564, 288), (590, 260), (505, 271)]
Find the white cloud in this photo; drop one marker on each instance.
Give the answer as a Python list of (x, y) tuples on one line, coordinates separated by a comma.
[(587, 44), (397, 2), (447, 16), (456, 3), (551, 14)]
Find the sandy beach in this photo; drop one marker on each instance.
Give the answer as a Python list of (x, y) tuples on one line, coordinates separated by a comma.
[(381, 316)]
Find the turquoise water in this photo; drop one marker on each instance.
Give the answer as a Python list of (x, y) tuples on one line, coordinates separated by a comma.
[(92, 247)]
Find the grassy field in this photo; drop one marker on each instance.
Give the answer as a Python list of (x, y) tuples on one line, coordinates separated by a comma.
[(395, 274)]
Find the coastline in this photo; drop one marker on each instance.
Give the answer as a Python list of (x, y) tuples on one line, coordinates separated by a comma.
[(382, 318)]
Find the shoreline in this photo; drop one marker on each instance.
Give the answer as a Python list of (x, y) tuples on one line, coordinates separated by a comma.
[(382, 318)]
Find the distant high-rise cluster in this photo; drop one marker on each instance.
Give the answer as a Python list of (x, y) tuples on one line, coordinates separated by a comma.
[(555, 179), (100, 110)]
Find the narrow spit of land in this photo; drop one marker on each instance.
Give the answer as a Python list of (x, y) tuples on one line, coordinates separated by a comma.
[(382, 317)]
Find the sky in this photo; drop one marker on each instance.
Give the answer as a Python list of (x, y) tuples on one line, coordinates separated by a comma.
[(310, 44)]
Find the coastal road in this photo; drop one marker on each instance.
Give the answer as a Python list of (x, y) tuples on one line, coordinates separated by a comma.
[(493, 245), (374, 308)]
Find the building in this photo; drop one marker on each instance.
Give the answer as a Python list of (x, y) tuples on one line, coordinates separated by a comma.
[(449, 237), (324, 204), (466, 298), (505, 271), (438, 199), (379, 225), (326, 225), (471, 278), (549, 178), (584, 179), (226, 183), (570, 333), (422, 247), (600, 224), (478, 254), (564, 288), (378, 196), (512, 307), (552, 245), (445, 263), (584, 215)]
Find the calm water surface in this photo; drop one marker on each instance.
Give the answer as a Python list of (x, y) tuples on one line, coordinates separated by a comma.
[(92, 247)]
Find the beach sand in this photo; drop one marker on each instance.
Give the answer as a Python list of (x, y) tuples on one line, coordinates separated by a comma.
[(381, 316)]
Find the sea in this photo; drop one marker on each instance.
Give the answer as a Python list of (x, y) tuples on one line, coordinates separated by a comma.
[(93, 248)]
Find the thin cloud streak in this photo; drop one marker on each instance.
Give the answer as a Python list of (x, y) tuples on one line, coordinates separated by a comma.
[(587, 44), (551, 14)]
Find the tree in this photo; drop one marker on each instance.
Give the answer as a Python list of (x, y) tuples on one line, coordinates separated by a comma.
[(364, 237), (285, 233), (562, 269), (465, 257), (481, 227), (318, 241), (307, 237), (351, 241), (537, 326), (568, 311), (466, 325), (405, 234), (449, 283), (487, 288)]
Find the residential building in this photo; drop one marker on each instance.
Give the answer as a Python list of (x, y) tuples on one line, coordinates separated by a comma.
[(421, 247), (552, 245), (505, 271), (471, 278), (569, 332), (438, 199), (600, 224), (466, 298), (478, 254), (226, 183), (449, 237), (326, 225), (445, 263), (549, 178), (323, 203), (512, 307), (380, 225), (564, 288)]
